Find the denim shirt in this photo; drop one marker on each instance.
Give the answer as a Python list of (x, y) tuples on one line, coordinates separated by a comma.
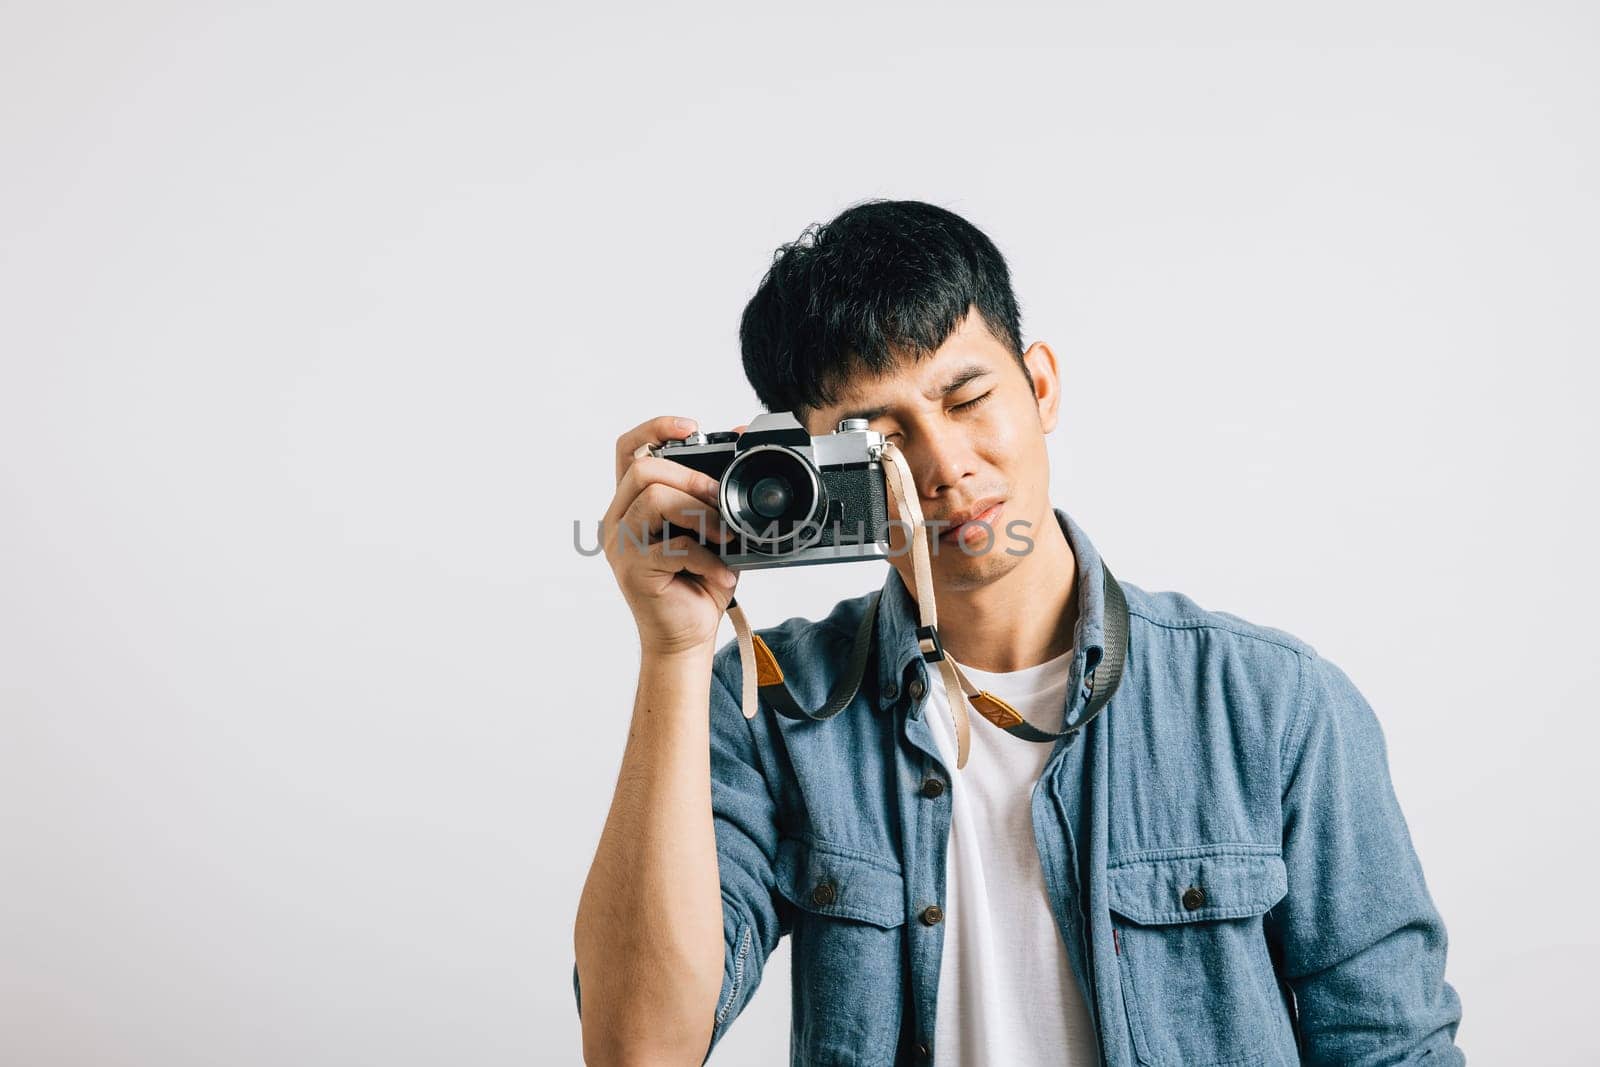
[(1222, 849)]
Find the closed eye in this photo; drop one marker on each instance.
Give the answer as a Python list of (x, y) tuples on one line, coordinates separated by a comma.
[(967, 406), (974, 402)]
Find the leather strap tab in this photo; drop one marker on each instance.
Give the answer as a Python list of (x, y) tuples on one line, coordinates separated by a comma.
[(996, 710), (767, 670)]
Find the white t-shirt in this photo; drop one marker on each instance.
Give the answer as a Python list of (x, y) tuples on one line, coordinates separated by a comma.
[(1007, 994)]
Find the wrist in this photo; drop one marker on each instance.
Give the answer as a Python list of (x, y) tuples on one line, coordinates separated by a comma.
[(693, 658)]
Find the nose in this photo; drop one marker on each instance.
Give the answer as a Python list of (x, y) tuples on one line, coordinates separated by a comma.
[(939, 463)]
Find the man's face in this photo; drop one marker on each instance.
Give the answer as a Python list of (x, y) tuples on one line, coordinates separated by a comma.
[(972, 430)]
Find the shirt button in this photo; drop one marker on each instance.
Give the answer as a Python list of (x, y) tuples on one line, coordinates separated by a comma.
[(932, 915), (891, 691), (923, 1052), (1194, 898), (917, 688), (823, 894), (932, 787)]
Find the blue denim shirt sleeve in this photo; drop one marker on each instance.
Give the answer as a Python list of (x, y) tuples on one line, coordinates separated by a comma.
[(1363, 947), (744, 817)]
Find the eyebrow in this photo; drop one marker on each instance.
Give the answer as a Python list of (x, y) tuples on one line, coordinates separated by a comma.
[(961, 377)]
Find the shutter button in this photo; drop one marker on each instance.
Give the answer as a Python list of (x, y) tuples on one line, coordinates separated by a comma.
[(823, 895), (1194, 898)]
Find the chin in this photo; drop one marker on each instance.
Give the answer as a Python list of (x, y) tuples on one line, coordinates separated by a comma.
[(957, 570)]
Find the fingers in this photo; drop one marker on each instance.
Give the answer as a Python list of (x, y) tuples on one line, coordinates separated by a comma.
[(683, 554), (650, 432), (654, 470), (658, 504)]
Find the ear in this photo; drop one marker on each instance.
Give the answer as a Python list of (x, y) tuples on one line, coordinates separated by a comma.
[(1041, 363)]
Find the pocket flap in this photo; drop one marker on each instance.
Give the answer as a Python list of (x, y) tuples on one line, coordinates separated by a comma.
[(1196, 886), (842, 883)]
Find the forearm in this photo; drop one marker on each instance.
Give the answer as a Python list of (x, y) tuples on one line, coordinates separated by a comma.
[(648, 937)]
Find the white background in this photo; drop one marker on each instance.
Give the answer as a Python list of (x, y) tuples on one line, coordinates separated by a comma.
[(318, 324)]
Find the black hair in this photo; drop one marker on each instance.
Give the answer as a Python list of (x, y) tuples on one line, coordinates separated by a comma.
[(884, 280)]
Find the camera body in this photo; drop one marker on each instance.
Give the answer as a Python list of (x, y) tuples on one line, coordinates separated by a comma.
[(791, 499)]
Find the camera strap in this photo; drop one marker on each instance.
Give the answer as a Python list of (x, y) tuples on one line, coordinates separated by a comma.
[(763, 677)]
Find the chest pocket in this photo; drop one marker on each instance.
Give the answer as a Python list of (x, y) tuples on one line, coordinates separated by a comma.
[(1197, 976), (847, 920)]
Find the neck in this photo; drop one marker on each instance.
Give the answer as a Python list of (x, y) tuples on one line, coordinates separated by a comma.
[(1020, 619)]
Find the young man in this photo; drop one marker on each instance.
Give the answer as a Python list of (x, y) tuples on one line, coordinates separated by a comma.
[(1212, 871)]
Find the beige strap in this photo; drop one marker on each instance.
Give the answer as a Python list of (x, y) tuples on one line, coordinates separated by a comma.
[(747, 659), (956, 686)]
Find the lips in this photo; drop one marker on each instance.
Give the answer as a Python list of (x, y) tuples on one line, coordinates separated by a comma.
[(966, 525)]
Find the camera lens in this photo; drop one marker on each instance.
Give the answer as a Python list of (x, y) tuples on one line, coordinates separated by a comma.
[(770, 497), (774, 497)]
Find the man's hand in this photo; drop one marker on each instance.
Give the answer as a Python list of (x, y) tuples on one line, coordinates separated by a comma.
[(676, 588)]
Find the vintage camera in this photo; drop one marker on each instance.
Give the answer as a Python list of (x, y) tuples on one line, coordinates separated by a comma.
[(790, 498)]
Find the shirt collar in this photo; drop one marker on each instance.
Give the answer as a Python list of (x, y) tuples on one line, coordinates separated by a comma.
[(897, 624)]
